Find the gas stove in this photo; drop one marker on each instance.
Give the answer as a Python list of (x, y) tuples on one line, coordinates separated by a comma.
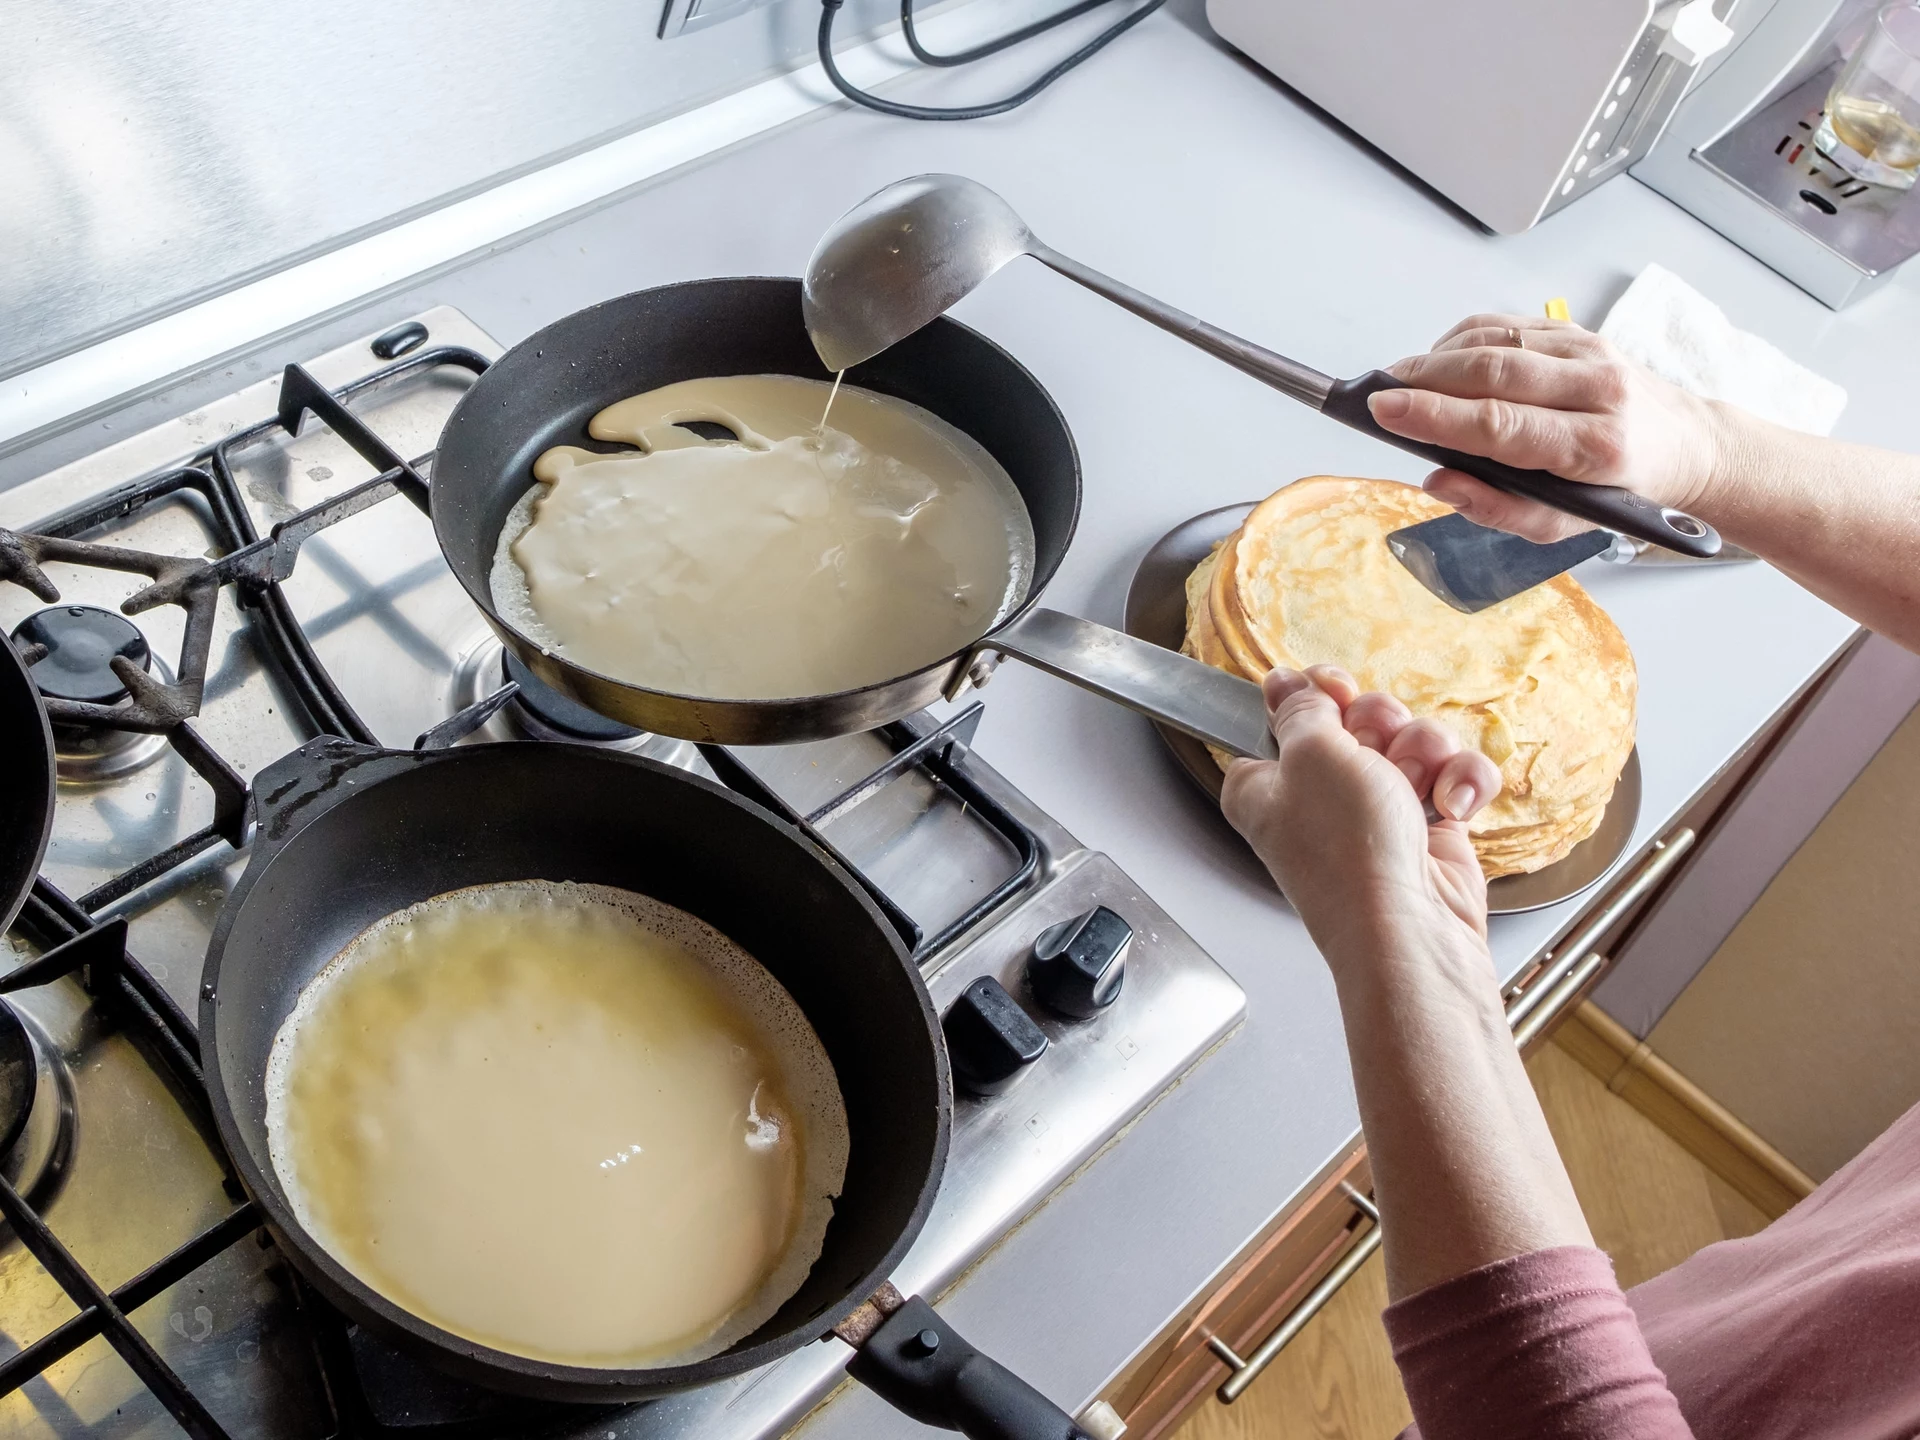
[(136, 1280)]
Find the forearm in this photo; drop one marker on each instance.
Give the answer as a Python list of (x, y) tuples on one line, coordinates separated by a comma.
[(1842, 519), (1464, 1169)]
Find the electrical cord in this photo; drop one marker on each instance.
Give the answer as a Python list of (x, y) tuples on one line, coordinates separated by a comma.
[(830, 8)]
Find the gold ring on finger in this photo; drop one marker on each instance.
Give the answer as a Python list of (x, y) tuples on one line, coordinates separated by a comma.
[(1516, 339)]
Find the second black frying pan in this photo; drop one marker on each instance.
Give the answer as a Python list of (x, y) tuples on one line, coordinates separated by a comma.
[(348, 834), (26, 782)]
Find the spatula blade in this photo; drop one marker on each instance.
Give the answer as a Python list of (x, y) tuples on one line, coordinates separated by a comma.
[(1471, 566)]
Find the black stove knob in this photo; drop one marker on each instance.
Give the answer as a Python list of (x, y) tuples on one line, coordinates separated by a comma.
[(990, 1038), (1077, 967)]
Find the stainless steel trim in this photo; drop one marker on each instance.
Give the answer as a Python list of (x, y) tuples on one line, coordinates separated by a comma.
[(1530, 1009)]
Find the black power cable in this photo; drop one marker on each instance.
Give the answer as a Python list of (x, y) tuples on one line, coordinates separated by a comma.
[(830, 8)]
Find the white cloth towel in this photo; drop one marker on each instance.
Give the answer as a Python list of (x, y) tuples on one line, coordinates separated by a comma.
[(1682, 336)]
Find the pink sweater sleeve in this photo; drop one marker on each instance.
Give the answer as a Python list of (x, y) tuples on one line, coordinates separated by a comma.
[(1542, 1346)]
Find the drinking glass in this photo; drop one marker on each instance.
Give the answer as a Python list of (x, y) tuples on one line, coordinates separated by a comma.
[(1871, 128)]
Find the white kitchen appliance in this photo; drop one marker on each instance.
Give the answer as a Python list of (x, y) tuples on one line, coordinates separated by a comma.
[(1740, 155), (1509, 108)]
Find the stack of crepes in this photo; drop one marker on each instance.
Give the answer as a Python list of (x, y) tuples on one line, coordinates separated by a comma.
[(1542, 684)]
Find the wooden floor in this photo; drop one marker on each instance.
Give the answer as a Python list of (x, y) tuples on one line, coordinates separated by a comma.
[(1649, 1203)]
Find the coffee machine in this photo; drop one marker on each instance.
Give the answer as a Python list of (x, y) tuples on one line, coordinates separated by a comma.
[(1738, 153)]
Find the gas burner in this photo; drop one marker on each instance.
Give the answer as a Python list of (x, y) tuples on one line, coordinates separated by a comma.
[(552, 716), (77, 645), (36, 1107), (539, 712)]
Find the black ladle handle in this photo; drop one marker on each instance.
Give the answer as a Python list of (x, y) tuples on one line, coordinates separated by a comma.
[(921, 1366), (1618, 510)]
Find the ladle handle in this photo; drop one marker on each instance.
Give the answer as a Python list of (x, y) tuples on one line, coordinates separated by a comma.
[(1203, 702), (922, 1367), (1609, 506)]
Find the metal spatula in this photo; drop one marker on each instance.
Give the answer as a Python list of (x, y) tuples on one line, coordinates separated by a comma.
[(1471, 567), (906, 254)]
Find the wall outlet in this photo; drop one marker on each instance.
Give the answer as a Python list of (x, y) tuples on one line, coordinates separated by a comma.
[(681, 16)]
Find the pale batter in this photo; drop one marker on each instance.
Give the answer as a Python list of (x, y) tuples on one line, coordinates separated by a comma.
[(805, 559), (561, 1120)]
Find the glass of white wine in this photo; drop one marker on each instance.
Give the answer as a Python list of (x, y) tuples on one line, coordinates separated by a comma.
[(1871, 128)]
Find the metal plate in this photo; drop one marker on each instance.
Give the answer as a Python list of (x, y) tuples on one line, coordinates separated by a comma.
[(1157, 612)]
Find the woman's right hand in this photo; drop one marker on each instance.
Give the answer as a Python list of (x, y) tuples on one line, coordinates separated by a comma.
[(1564, 400)]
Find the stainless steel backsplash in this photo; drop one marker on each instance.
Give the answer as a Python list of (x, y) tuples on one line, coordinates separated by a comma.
[(151, 155)]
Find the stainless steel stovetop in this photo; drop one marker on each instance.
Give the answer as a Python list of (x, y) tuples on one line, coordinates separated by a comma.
[(123, 1174)]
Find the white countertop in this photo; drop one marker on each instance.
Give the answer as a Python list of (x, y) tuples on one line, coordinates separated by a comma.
[(1173, 165)]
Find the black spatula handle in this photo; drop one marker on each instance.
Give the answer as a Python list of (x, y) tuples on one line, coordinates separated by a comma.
[(1618, 510)]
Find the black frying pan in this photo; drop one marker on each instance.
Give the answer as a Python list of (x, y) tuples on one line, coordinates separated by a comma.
[(348, 834), (544, 391), (26, 782)]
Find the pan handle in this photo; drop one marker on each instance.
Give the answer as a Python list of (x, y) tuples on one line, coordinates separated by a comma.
[(922, 1367), (1203, 702)]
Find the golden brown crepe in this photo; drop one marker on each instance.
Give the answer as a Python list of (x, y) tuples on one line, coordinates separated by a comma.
[(1542, 684)]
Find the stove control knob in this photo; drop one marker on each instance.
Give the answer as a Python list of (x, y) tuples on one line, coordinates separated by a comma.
[(1077, 967), (990, 1038)]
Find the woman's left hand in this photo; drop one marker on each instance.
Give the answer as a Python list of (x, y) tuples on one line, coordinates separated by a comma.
[(1339, 816)]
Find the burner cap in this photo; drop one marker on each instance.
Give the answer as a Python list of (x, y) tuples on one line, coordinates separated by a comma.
[(556, 711), (16, 1077), (81, 642)]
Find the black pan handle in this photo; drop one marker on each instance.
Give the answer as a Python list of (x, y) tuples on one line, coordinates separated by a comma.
[(1618, 510), (921, 1366)]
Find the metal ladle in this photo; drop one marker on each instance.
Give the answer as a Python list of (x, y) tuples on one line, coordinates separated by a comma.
[(907, 253)]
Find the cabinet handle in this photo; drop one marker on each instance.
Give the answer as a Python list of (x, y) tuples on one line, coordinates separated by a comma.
[(1531, 1008), (1545, 993), (1246, 1371)]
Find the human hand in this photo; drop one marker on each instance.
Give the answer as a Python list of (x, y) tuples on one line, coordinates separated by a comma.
[(1339, 818), (1564, 400)]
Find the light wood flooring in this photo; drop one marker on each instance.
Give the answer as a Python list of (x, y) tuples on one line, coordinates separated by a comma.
[(1650, 1205), (1823, 973)]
